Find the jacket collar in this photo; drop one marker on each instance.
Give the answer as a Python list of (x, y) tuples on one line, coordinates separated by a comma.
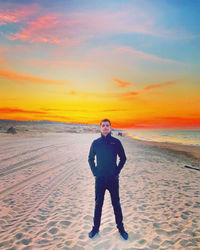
[(107, 137)]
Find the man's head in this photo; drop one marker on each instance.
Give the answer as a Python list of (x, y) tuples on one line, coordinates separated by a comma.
[(105, 126)]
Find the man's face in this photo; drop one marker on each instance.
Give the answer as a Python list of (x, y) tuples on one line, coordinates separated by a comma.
[(105, 128)]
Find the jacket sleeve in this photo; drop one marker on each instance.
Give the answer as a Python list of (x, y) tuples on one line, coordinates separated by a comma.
[(122, 157), (91, 159)]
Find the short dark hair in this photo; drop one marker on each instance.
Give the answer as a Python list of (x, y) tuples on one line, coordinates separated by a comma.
[(105, 120)]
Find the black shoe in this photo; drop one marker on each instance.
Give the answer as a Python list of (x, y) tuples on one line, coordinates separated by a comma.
[(93, 233), (124, 234)]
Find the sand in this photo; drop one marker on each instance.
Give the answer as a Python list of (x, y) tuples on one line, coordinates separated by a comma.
[(47, 195)]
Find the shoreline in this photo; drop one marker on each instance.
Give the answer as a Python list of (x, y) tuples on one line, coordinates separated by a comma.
[(188, 150), (191, 150)]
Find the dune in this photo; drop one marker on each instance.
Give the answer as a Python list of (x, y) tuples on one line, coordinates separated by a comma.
[(47, 195)]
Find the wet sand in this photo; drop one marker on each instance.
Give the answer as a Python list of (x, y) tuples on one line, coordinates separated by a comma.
[(47, 195)]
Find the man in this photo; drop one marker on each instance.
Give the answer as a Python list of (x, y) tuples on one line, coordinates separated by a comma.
[(106, 172)]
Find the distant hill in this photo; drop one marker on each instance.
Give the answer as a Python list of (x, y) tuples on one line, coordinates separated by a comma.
[(42, 122), (47, 126)]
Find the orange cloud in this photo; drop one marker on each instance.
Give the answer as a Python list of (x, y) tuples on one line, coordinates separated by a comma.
[(128, 94), (160, 85), (73, 92), (125, 95), (114, 110), (98, 95), (85, 94), (12, 75), (16, 110), (64, 110), (158, 122), (121, 83)]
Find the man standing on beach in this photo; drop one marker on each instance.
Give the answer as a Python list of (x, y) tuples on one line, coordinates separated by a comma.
[(106, 172)]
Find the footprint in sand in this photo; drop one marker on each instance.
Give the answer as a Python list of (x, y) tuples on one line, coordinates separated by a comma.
[(65, 223), (41, 217), (53, 230), (196, 205), (161, 232), (87, 217), (156, 240), (26, 241), (107, 230), (87, 227), (2, 222), (32, 221), (142, 241), (168, 243), (82, 237), (18, 236), (45, 235), (51, 223), (152, 246)]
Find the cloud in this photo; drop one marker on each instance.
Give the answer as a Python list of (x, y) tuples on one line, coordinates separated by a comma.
[(97, 95), (39, 24), (16, 15), (175, 121), (124, 95), (43, 29), (86, 94), (17, 110), (160, 85), (36, 25), (16, 76), (114, 110), (145, 56), (158, 122), (121, 83), (65, 110), (128, 94), (40, 62)]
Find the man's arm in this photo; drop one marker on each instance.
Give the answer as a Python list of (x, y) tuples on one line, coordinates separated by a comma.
[(122, 156), (91, 159)]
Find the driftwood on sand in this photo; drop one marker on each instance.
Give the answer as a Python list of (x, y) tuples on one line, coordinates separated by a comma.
[(192, 168)]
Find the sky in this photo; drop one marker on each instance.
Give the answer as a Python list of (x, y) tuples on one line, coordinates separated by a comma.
[(136, 63)]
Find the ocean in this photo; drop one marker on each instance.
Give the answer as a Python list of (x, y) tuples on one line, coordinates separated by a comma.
[(186, 137)]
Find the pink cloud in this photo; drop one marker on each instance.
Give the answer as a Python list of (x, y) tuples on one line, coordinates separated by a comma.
[(15, 15), (75, 27), (113, 22), (78, 26), (43, 29)]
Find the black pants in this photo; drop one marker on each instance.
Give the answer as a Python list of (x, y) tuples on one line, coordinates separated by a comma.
[(112, 184)]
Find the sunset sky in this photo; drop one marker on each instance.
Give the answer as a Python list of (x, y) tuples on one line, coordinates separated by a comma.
[(134, 62)]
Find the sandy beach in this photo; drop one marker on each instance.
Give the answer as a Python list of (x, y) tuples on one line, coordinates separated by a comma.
[(47, 195)]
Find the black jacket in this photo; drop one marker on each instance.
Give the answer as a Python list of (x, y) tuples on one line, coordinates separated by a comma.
[(106, 149)]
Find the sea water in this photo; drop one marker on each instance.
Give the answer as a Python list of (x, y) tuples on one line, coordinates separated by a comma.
[(186, 137)]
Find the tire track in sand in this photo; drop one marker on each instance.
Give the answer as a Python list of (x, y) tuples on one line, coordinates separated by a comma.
[(22, 217)]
